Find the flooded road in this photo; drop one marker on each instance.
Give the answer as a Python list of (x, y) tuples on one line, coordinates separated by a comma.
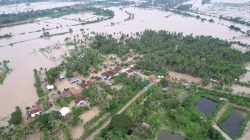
[(18, 89)]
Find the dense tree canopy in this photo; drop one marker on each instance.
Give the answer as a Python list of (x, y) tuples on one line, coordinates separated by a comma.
[(16, 117), (201, 56)]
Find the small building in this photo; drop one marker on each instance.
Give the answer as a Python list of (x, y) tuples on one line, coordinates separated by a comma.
[(97, 78), (165, 89), (187, 85), (117, 69), (83, 85), (34, 111), (107, 75), (64, 111), (80, 100), (168, 78), (55, 97), (62, 75), (73, 80), (50, 87), (214, 80), (90, 83), (66, 93)]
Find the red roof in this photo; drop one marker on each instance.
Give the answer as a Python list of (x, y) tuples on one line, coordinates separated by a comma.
[(83, 85), (97, 78), (35, 109), (168, 78), (79, 99), (89, 82)]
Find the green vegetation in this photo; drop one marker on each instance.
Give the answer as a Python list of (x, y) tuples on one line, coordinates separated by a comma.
[(38, 84), (225, 115), (16, 117), (234, 28), (110, 100), (5, 36), (236, 20), (53, 74), (164, 3), (4, 70), (200, 56), (79, 60), (184, 7), (99, 94), (239, 100), (119, 126), (205, 1), (30, 16), (160, 110)]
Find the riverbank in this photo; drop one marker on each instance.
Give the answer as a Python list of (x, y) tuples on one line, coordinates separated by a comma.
[(4, 70)]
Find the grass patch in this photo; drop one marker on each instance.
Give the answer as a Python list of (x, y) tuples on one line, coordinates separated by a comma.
[(5, 70)]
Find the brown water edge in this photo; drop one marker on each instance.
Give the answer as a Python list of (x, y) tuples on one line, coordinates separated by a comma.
[(246, 77), (18, 89)]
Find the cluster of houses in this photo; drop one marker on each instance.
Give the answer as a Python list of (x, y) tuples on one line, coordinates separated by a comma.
[(107, 76)]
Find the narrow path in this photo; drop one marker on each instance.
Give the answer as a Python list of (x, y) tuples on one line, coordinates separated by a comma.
[(222, 110), (106, 123), (215, 126)]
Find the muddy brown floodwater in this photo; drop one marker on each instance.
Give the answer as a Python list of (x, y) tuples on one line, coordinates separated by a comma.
[(18, 89)]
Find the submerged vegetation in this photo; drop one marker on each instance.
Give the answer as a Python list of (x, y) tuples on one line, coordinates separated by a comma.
[(4, 70), (199, 56), (30, 16)]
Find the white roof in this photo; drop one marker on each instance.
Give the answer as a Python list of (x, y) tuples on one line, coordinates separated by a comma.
[(64, 111), (49, 87)]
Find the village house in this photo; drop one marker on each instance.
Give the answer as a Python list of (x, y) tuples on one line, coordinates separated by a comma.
[(168, 78), (66, 93), (34, 111), (80, 100), (92, 70), (83, 85), (50, 87), (64, 111), (90, 83), (73, 80), (62, 75), (55, 97), (107, 75), (97, 78)]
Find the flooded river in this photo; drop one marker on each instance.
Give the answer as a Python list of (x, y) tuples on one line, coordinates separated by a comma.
[(24, 56)]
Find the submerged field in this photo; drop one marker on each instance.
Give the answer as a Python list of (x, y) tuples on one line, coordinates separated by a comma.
[(85, 44)]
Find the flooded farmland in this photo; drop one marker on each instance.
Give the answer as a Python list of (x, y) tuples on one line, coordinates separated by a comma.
[(24, 54)]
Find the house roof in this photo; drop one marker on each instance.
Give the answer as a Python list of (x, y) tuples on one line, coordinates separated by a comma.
[(66, 93), (83, 85), (64, 111), (168, 78), (49, 87), (79, 99), (35, 109), (73, 79)]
